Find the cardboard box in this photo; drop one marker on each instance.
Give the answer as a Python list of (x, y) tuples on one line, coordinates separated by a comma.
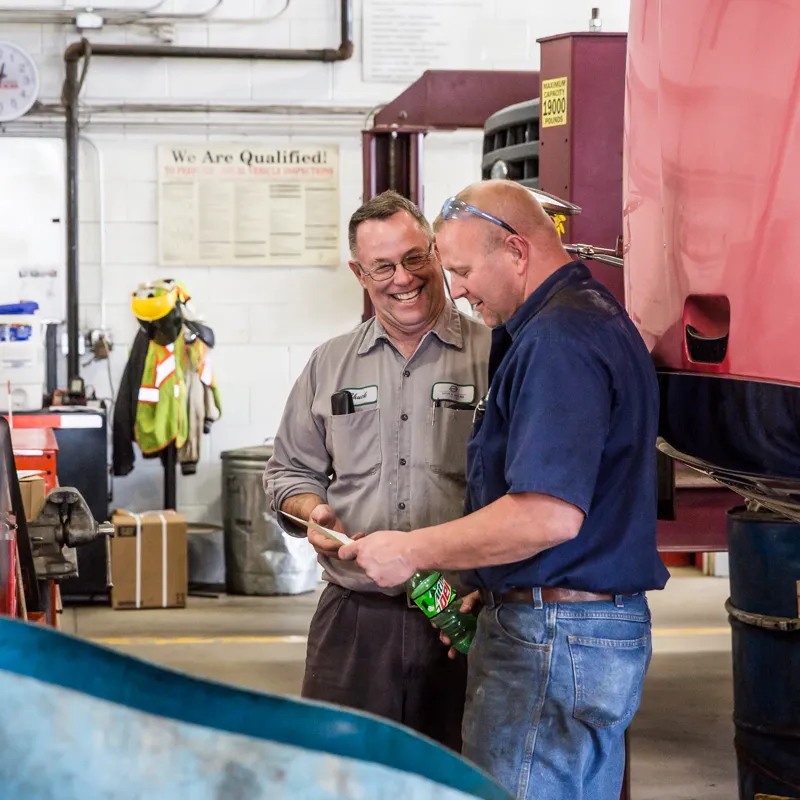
[(33, 491), (148, 560)]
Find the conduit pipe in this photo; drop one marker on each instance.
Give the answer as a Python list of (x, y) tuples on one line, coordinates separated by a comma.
[(85, 50)]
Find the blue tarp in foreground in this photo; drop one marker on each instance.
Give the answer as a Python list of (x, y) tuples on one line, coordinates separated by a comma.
[(80, 721)]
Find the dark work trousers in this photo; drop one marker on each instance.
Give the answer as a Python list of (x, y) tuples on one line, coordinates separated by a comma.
[(372, 652)]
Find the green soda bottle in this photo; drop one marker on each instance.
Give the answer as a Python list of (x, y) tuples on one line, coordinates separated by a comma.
[(441, 605)]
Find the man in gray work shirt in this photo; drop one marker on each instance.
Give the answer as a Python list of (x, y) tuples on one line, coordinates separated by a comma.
[(415, 372)]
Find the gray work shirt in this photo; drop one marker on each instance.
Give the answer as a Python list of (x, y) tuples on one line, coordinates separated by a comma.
[(398, 462)]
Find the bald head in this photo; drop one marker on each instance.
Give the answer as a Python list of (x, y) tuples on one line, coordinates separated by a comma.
[(515, 205), (494, 268)]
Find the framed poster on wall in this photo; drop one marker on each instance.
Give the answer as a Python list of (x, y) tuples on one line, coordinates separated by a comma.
[(248, 204)]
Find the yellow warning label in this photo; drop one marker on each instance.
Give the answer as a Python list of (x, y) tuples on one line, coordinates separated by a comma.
[(554, 102)]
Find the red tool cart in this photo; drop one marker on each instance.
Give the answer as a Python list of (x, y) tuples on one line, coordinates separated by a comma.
[(36, 449)]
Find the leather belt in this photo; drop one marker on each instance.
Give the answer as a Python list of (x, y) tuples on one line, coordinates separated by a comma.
[(550, 594)]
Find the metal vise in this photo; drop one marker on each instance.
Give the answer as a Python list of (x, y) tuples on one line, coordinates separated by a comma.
[(64, 523)]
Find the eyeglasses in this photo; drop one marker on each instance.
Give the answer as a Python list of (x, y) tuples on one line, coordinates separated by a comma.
[(411, 263), (453, 208)]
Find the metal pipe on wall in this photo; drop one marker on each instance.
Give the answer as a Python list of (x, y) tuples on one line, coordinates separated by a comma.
[(31, 11), (86, 50), (51, 110), (72, 130)]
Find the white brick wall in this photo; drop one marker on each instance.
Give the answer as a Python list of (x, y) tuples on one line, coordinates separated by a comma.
[(267, 320)]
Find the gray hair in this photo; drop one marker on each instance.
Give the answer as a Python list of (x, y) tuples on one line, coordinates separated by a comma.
[(382, 206)]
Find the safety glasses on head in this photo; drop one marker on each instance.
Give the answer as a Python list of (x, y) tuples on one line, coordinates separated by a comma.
[(454, 208)]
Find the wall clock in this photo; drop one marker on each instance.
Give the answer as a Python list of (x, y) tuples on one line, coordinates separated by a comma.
[(19, 82)]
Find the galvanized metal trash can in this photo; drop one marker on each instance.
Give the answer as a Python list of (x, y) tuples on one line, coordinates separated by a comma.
[(765, 585), (260, 559)]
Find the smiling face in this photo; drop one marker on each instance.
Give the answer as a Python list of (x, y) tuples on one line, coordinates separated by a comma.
[(409, 302), (488, 277), (497, 262)]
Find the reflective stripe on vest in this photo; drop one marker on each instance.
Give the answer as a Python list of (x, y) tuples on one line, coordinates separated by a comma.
[(164, 369), (148, 394)]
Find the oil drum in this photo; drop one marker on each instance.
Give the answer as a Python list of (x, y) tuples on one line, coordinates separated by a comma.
[(765, 619)]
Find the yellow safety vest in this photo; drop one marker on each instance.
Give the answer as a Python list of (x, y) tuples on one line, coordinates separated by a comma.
[(161, 412)]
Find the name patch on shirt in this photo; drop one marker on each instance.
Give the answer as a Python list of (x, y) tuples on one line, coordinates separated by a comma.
[(458, 393), (364, 395)]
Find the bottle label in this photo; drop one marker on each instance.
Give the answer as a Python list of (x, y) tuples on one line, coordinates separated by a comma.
[(436, 599)]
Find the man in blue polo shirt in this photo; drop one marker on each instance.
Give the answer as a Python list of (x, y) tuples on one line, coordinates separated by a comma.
[(560, 540)]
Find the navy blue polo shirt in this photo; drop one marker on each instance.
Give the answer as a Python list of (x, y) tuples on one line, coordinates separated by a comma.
[(572, 412)]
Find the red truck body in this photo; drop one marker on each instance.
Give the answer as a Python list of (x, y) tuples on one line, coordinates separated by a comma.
[(711, 190)]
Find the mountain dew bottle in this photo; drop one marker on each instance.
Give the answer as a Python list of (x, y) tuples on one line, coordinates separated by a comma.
[(441, 605)]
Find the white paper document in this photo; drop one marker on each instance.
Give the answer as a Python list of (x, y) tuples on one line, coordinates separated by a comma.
[(335, 535)]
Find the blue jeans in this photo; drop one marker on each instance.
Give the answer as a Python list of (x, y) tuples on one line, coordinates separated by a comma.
[(550, 692)]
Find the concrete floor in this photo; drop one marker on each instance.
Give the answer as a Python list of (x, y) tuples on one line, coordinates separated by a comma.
[(681, 739)]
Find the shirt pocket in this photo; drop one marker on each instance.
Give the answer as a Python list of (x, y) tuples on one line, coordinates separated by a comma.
[(446, 442), (356, 443)]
